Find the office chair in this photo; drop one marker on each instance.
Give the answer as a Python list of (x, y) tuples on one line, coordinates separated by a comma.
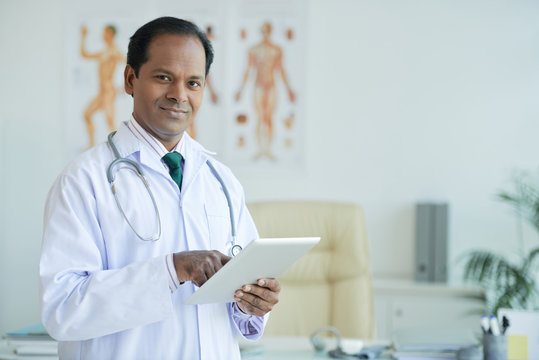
[(329, 286)]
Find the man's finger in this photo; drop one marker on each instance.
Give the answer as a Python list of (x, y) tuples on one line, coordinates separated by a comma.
[(265, 294), (224, 259), (200, 279), (272, 284), (252, 304)]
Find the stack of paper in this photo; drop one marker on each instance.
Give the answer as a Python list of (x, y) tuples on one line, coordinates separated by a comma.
[(32, 342), (425, 354), (430, 344)]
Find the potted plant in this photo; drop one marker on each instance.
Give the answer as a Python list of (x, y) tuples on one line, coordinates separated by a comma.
[(510, 284)]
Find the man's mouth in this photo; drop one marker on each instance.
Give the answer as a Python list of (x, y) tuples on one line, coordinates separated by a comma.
[(175, 112)]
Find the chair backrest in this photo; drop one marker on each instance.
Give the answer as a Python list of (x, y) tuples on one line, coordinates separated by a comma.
[(330, 285)]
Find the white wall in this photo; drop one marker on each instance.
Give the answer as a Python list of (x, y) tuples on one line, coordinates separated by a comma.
[(406, 101), (31, 91)]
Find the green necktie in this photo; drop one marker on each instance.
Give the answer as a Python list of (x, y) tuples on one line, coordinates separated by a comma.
[(173, 161)]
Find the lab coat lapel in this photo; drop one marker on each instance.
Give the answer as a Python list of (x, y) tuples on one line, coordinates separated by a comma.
[(149, 158), (126, 143), (195, 155), (130, 146), (195, 158)]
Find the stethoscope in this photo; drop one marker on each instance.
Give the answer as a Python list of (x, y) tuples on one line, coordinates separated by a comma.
[(233, 248)]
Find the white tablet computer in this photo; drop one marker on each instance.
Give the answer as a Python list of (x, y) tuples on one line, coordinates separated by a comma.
[(262, 258)]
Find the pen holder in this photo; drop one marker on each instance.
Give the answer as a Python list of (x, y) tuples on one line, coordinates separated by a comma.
[(495, 347)]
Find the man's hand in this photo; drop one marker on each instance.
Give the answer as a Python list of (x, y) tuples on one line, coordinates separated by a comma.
[(198, 266), (258, 299)]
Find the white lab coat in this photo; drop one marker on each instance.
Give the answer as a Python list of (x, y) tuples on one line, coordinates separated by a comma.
[(104, 292)]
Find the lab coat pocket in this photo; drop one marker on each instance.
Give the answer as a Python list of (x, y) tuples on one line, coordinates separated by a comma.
[(218, 226)]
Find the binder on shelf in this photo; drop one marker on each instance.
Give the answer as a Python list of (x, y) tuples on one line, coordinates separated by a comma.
[(440, 242), (424, 259), (431, 242)]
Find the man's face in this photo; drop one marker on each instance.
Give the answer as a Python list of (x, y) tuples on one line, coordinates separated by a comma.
[(169, 88)]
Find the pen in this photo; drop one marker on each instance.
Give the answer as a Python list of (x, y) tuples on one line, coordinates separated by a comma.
[(484, 324), (505, 324), (494, 327)]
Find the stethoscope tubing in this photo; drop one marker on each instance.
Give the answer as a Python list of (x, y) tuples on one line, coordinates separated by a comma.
[(111, 177), (234, 248)]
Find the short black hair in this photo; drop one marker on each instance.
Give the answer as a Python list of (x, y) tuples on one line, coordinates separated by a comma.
[(137, 51)]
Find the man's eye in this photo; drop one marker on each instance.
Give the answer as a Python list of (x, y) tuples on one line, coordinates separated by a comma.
[(162, 77), (194, 84)]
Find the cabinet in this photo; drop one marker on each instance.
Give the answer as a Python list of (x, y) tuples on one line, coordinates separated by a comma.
[(406, 304)]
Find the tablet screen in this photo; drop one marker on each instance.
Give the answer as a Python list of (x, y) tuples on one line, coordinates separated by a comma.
[(262, 258)]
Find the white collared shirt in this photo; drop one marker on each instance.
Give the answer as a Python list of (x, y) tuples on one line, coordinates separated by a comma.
[(154, 144)]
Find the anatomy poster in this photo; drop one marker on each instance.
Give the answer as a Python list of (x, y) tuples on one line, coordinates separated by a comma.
[(208, 127), (251, 115), (266, 117), (96, 101)]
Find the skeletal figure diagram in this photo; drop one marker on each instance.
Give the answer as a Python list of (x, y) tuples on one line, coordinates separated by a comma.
[(107, 60), (265, 59)]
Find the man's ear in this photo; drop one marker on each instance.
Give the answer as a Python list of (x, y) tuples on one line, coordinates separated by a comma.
[(129, 78)]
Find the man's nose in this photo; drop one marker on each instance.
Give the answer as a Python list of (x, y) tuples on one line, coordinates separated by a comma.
[(177, 92)]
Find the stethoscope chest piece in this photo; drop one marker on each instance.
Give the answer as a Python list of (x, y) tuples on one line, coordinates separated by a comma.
[(235, 250)]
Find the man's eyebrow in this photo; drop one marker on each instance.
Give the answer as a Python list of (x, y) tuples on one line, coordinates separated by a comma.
[(161, 70), (168, 72)]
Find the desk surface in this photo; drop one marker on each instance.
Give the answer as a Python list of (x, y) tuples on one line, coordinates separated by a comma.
[(293, 348), (297, 348), (7, 353)]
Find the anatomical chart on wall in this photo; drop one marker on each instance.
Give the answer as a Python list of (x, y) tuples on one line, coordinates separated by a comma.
[(265, 129), (96, 101), (251, 115)]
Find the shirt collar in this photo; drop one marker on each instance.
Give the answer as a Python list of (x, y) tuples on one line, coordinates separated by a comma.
[(149, 140)]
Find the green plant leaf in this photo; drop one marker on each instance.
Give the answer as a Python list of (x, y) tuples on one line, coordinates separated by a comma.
[(528, 261), (507, 284), (484, 267), (525, 199)]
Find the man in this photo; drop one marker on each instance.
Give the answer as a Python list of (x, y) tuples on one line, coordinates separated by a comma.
[(105, 292), (266, 58), (107, 59)]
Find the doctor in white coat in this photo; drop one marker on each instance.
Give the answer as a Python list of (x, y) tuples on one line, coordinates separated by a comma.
[(105, 292)]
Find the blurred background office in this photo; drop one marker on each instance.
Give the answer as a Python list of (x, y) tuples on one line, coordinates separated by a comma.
[(400, 102)]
